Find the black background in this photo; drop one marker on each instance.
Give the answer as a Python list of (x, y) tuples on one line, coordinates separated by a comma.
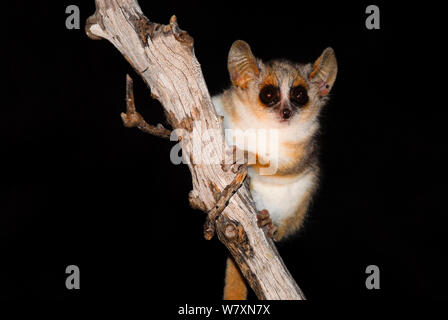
[(79, 188)]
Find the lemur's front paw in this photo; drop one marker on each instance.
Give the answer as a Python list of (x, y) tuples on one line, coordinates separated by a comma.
[(264, 221), (231, 161), (233, 166)]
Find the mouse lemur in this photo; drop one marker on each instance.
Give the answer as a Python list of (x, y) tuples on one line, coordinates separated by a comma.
[(287, 97)]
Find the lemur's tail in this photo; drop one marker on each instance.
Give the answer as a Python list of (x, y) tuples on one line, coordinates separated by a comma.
[(234, 287)]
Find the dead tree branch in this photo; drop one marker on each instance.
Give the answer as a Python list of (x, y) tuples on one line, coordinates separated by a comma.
[(163, 55)]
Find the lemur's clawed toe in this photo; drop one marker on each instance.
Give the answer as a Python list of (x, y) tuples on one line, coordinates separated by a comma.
[(229, 162), (264, 221)]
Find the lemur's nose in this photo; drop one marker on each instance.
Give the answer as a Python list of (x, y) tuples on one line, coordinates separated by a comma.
[(286, 113)]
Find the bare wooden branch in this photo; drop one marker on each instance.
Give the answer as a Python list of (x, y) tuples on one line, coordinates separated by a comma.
[(163, 55)]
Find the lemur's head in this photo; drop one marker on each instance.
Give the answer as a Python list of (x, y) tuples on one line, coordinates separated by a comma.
[(291, 93)]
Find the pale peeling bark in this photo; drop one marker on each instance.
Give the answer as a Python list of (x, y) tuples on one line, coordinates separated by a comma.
[(163, 55)]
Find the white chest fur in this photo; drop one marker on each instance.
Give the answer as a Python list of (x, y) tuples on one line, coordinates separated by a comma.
[(280, 196)]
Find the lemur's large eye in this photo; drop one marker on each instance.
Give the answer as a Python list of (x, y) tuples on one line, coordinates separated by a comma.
[(269, 95), (299, 96)]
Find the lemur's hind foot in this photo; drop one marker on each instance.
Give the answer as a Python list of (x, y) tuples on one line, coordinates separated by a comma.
[(264, 221)]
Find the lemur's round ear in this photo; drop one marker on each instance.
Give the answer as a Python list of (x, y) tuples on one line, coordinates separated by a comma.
[(324, 71), (242, 64)]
